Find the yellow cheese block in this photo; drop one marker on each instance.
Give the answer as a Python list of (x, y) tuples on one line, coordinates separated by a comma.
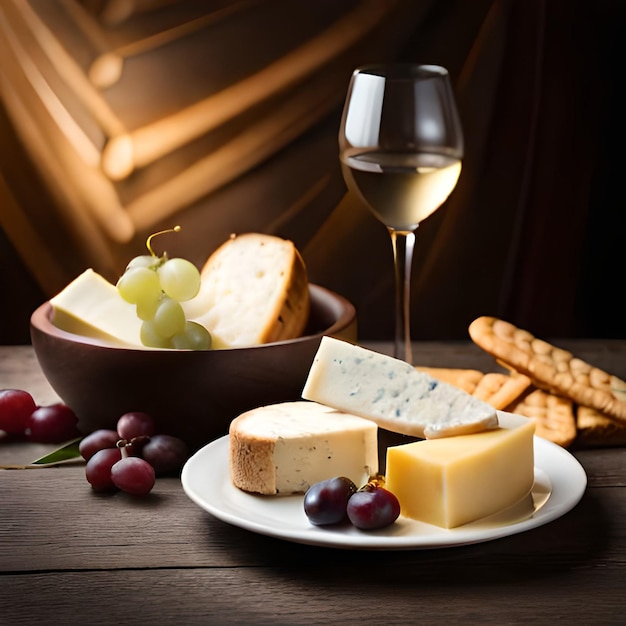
[(91, 306), (455, 480)]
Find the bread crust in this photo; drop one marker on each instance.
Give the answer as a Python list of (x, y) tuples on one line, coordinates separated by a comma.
[(254, 290)]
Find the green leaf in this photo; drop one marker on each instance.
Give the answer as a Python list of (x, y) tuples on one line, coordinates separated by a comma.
[(66, 452)]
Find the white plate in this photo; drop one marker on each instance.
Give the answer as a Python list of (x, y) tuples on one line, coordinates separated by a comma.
[(560, 482)]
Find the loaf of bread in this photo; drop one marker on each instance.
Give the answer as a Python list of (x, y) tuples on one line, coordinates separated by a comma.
[(254, 290)]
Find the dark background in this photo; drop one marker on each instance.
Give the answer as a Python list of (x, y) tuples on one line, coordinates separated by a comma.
[(533, 233)]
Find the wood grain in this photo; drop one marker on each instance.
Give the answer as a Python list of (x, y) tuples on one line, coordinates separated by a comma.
[(70, 556)]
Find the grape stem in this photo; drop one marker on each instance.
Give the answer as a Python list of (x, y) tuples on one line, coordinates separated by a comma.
[(123, 444), (176, 229)]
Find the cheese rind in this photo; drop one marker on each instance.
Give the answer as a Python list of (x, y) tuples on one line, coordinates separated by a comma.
[(284, 448), (91, 306), (392, 393), (453, 481)]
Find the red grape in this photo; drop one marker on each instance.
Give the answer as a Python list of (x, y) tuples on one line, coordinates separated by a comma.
[(373, 507), (16, 406), (165, 453), (96, 441), (325, 502), (98, 469), (52, 424), (135, 424), (133, 475)]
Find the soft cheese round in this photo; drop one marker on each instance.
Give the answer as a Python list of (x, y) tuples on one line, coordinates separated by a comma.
[(284, 448), (254, 290)]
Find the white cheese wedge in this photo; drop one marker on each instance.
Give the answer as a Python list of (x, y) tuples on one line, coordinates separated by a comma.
[(91, 306), (285, 448), (392, 393), (456, 480)]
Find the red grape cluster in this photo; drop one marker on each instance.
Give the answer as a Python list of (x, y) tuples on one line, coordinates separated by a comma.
[(132, 456), (20, 415), (332, 501)]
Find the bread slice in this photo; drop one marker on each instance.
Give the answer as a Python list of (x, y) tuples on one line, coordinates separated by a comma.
[(254, 290)]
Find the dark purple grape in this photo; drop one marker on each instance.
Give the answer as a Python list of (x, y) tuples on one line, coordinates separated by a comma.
[(373, 507), (16, 406), (165, 453), (135, 424), (325, 502), (52, 424), (96, 441), (98, 469), (133, 475), (135, 446)]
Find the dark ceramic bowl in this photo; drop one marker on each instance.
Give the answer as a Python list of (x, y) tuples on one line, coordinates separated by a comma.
[(191, 394)]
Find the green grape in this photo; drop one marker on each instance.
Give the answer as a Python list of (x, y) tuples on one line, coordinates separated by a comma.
[(151, 338), (139, 284), (146, 309), (169, 319), (180, 279), (194, 337), (157, 285), (145, 260)]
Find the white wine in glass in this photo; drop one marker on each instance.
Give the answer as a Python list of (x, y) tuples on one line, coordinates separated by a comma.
[(401, 147)]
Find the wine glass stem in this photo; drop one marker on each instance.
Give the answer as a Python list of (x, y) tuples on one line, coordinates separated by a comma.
[(403, 243)]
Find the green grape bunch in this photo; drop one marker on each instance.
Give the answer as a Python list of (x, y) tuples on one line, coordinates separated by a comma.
[(156, 285)]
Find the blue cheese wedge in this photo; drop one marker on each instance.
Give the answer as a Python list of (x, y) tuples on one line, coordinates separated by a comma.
[(392, 393), (284, 448)]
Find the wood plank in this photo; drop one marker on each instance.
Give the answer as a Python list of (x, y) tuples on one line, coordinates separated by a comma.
[(70, 556), (70, 527), (326, 593)]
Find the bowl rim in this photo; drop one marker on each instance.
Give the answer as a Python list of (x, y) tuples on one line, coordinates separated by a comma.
[(41, 321)]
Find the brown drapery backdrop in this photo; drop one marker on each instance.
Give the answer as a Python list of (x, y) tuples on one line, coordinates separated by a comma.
[(222, 117)]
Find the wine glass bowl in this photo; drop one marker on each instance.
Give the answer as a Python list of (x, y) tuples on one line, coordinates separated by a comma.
[(401, 148)]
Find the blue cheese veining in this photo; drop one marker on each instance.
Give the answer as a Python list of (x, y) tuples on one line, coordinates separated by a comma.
[(392, 393)]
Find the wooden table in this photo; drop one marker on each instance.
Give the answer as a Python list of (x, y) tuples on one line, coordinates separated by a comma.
[(70, 556)]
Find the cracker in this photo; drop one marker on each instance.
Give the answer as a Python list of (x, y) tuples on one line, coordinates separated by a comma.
[(554, 415), (500, 390), (595, 429), (551, 368), (496, 388)]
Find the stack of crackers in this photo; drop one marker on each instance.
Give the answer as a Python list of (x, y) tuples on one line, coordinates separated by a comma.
[(571, 401)]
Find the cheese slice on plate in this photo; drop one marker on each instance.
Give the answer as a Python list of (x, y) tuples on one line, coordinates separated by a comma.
[(284, 448), (392, 393), (456, 480), (91, 306)]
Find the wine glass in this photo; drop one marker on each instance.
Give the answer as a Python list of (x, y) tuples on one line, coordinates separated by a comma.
[(401, 147)]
